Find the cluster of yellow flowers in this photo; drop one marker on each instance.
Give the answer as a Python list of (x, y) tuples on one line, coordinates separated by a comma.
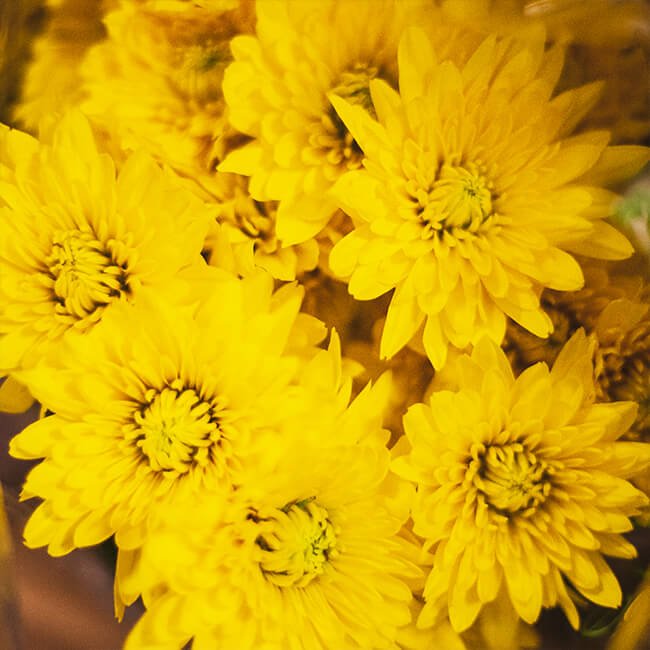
[(217, 187)]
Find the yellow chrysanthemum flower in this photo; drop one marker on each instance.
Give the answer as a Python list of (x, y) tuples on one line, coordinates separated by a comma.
[(52, 81), (18, 23), (308, 558), (76, 238), (160, 403), (473, 192), (165, 61), (521, 486), (277, 91), (614, 306)]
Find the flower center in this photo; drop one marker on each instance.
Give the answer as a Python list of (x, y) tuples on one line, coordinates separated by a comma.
[(330, 136), (298, 542), (199, 69), (460, 197), (87, 274), (175, 429), (354, 86), (511, 478)]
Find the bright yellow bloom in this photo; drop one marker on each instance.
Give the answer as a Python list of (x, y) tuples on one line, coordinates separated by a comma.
[(472, 193), (52, 80), (18, 22), (521, 485), (308, 558), (613, 306), (162, 402), (76, 238), (165, 62), (277, 91)]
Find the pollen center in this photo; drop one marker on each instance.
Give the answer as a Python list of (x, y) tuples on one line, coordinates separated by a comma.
[(85, 273), (460, 197), (330, 136), (298, 542), (511, 478), (354, 86), (176, 429)]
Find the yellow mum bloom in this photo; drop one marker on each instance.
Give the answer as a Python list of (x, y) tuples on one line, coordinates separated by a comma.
[(473, 192), (52, 81), (161, 403), (614, 307), (277, 91), (165, 61), (521, 485), (76, 238), (309, 558)]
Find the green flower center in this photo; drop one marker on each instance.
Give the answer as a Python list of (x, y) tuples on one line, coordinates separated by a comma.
[(86, 273), (175, 429), (460, 197), (298, 541), (511, 478)]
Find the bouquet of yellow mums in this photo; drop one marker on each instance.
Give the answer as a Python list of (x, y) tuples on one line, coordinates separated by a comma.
[(336, 311)]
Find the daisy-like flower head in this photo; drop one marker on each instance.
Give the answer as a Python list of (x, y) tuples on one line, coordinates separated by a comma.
[(614, 307), (165, 61), (306, 557), (472, 193), (277, 91), (521, 486), (159, 403), (75, 238)]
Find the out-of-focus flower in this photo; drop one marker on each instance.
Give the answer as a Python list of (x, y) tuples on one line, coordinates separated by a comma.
[(474, 194), (633, 631), (165, 61), (52, 79), (155, 83), (19, 21), (77, 239), (609, 40), (521, 486), (606, 40), (277, 91), (615, 308), (309, 557)]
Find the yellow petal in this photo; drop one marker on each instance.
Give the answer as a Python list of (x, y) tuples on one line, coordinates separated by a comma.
[(14, 396)]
